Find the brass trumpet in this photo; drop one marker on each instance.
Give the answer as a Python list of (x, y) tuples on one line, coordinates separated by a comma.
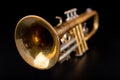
[(41, 45)]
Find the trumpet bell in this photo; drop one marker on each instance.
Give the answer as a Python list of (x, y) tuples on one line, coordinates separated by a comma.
[(37, 42)]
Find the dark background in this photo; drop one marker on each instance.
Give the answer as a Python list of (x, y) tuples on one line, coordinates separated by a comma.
[(101, 61)]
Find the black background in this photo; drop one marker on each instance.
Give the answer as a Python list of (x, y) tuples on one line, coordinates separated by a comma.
[(101, 61)]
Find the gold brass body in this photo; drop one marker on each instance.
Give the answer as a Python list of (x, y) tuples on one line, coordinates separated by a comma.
[(39, 43)]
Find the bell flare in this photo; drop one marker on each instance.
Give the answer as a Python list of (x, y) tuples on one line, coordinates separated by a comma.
[(37, 42)]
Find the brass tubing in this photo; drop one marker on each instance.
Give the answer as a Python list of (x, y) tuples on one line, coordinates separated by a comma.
[(81, 18), (66, 26), (83, 38), (77, 40), (80, 40)]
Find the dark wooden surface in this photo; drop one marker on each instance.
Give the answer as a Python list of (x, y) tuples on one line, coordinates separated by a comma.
[(101, 61)]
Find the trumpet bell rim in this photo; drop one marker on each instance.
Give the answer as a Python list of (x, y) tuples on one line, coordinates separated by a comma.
[(42, 60)]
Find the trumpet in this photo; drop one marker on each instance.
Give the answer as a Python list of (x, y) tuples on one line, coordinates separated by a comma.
[(42, 45)]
